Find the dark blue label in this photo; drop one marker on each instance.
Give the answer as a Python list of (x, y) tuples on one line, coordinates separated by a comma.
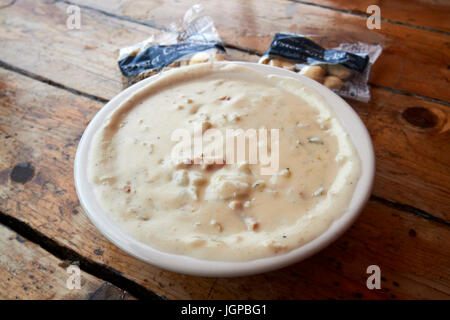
[(158, 57), (303, 50)]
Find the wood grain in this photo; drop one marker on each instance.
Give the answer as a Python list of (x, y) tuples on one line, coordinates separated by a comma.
[(429, 14), (35, 38), (408, 248), (89, 65), (29, 272), (413, 60), (413, 155)]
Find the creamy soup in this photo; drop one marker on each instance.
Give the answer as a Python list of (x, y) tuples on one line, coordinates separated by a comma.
[(230, 211)]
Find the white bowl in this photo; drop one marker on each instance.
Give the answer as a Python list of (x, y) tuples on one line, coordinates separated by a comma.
[(194, 266)]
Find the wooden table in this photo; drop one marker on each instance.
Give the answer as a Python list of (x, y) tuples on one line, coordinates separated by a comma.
[(53, 80)]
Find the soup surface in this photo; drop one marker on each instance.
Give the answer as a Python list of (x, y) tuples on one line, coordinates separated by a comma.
[(220, 162)]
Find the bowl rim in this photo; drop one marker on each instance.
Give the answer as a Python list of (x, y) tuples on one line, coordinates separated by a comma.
[(211, 268)]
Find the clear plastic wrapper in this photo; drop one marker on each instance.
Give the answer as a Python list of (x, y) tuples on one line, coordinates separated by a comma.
[(192, 40), (344, 69)]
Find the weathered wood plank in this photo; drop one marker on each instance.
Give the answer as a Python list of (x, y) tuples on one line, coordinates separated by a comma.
[(380, 237), (411, 138), (414, 60), (90, 58), (407, 248), (30, 272), (34, 37), (428, 14)]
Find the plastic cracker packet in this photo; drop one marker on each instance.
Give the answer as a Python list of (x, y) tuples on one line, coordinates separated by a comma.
[(344, 69), (192, 40)]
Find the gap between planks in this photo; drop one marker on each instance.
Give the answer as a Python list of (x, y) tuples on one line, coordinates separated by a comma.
[(254, 52), (365, 15), (307, 3), (96, 269), (52, 83), (410, 209)]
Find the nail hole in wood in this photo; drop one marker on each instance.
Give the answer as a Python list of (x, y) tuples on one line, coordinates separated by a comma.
[(22, 172)]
